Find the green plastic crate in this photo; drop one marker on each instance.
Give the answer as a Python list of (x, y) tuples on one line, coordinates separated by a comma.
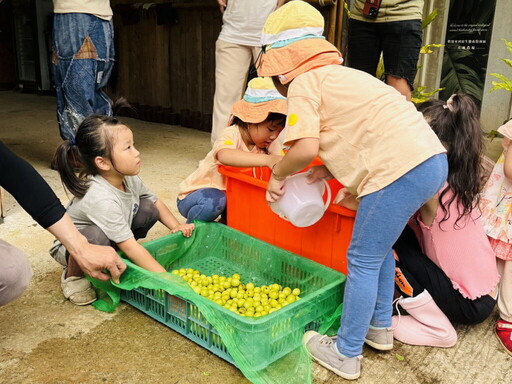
[(218, 249)]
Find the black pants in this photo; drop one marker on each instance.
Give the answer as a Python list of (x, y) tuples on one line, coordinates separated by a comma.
[(399, 41), (416, 272)]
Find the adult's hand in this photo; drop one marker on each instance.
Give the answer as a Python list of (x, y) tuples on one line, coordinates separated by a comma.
[(222, 5), (97, 258), (92, 259)]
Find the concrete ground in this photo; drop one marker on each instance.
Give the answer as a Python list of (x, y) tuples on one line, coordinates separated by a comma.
[(46, 339)]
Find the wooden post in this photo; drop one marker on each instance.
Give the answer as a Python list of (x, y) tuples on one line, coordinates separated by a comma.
[(2, 212)]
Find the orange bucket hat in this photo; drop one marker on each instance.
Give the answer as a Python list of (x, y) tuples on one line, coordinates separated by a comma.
[(260, 99), (293, 42)]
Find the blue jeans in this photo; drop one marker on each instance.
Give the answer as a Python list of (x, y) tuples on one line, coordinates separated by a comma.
[(204, 204), (83, 58), (380, 220)]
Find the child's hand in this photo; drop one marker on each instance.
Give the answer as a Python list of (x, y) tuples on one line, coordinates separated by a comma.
[(186, 229), (274, 190), (346, 199), (319, 172)]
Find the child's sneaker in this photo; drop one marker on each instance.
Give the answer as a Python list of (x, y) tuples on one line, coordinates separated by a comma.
[(380, 338), (504, 334), (323, 350), (78, 290)]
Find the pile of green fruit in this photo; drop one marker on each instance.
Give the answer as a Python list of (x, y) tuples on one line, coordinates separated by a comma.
[(245, 299)]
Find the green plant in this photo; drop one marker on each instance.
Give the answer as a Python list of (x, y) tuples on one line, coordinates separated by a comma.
[(464, 69), (506, 84), (419, 94)]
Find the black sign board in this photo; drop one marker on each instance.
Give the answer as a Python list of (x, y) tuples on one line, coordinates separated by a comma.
[(468, 38)]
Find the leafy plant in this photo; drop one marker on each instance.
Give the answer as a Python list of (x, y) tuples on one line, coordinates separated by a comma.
[(419, 94), (506, 83), (429, 19), (463, 69), (459, 75)]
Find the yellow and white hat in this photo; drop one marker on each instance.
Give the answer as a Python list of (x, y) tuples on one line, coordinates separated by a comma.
[(292, 38), (260, 99)]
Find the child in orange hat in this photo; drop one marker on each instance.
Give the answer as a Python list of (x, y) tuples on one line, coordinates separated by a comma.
[(256, 122), (371, 140)]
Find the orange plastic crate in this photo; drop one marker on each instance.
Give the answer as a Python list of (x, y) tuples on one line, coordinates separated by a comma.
[(325, 242)]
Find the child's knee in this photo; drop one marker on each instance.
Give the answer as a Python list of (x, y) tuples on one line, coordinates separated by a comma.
[(95, 235), (147, 213)]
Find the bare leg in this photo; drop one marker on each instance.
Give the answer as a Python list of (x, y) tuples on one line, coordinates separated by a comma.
[(401, 85)]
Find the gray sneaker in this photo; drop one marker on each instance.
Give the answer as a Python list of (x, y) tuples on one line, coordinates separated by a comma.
[(380, 338), (322, 349), (78, 290)]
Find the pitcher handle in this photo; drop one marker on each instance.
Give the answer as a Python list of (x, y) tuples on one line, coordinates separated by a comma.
[(328, 201)]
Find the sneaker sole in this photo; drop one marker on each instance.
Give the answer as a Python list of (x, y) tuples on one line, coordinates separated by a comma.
[(344, 375), (81, 303), (380, 347)]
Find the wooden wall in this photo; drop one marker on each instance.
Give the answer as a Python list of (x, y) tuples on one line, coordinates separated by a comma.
[(166, 58)]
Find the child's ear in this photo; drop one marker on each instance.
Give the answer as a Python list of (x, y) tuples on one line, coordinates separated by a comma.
[(102, 163)]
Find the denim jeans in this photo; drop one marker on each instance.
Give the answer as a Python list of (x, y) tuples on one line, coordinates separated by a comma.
[(204, 204), (83, 58), (380, 219)]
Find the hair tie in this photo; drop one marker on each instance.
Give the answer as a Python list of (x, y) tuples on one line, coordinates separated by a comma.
[(72, 141), (449, 103)]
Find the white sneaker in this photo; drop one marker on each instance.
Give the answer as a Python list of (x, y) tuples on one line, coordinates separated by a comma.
[(78, 290)]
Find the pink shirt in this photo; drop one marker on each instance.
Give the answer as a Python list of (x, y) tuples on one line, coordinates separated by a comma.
[(462, 251)]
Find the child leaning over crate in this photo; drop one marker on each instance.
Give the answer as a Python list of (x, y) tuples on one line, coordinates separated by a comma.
[(496, 204), (375, 143), (256, 120), (111, 205), (445, 268)]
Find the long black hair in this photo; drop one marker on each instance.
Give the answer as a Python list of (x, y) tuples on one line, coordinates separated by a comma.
[(457, 124)]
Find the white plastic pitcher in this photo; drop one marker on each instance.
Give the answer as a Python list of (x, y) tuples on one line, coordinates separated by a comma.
[(302, 204)]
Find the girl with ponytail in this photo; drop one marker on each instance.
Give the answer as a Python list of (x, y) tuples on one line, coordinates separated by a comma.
[(111, 205), (445, 267)]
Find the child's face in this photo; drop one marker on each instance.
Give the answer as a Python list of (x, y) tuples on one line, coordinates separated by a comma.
[(126, 158), (264, 133)]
